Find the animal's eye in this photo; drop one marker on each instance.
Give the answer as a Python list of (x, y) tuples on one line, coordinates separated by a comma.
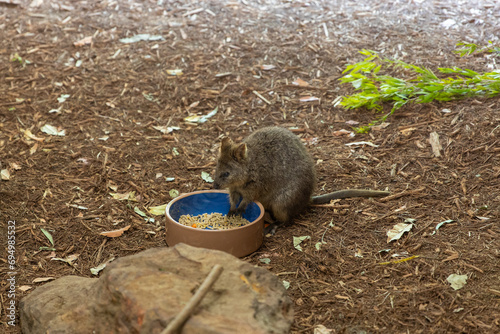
[(224, 175)]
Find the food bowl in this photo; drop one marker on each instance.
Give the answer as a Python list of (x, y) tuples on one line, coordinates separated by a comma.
[(238, 241)]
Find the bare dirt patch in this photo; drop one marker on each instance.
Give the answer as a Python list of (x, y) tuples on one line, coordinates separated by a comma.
[(118, 94)]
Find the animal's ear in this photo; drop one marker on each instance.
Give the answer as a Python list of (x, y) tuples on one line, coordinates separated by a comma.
[(240, 152), (225, 146)]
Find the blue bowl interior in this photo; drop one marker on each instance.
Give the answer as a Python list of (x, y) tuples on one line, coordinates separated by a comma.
[(209, 202)]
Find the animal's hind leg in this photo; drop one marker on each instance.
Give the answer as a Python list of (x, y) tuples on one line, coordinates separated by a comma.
[(280, 216)]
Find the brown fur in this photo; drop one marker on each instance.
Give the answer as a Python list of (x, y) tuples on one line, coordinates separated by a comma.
[(273, 167)]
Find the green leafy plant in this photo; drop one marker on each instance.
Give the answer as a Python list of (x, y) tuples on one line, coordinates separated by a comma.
[(421, 86), (16, 58), (466, 49)]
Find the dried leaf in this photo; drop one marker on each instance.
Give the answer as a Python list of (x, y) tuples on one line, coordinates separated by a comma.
[(63, 98), (309, 99), (300, 82), (43, 279), (85, 41), (201, 118), (298, 240), (29, 135), (158, 210), (320, 329), (130, 196), (457, 281), (173, 193), (206, 177), (141, 37), (166, 129), (140, 213), (320, 244), (267, 67), (115, 233), (397, 231), (408, 131), (48, 235), (360, 143), (265, 260), (380, 126), (5, 174), (96, 270), (144, 215), (341, 132), (448, 23), (68, 259), (52, 130)]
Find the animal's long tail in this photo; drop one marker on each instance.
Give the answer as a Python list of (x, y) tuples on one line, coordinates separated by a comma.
[(348, 193)]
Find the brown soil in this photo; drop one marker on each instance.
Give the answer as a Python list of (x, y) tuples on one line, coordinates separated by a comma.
[(120, 92)]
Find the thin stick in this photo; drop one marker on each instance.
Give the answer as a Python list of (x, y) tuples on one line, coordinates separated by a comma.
[(401, 194), (261, 97), (332, 206), (175, 325)]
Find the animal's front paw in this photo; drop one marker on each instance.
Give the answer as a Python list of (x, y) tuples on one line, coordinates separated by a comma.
[(236, 212)]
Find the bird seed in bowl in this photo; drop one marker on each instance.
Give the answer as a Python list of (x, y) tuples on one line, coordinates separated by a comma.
[(213, 221)]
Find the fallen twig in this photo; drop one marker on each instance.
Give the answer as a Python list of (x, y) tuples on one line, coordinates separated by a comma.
[(175, 325), (260, 96), (401, 194), (331, 206)]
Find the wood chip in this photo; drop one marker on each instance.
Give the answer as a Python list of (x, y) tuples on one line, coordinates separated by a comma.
[(436, 145)]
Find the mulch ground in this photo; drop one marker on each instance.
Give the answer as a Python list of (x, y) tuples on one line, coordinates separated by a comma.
[(241, 57)]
